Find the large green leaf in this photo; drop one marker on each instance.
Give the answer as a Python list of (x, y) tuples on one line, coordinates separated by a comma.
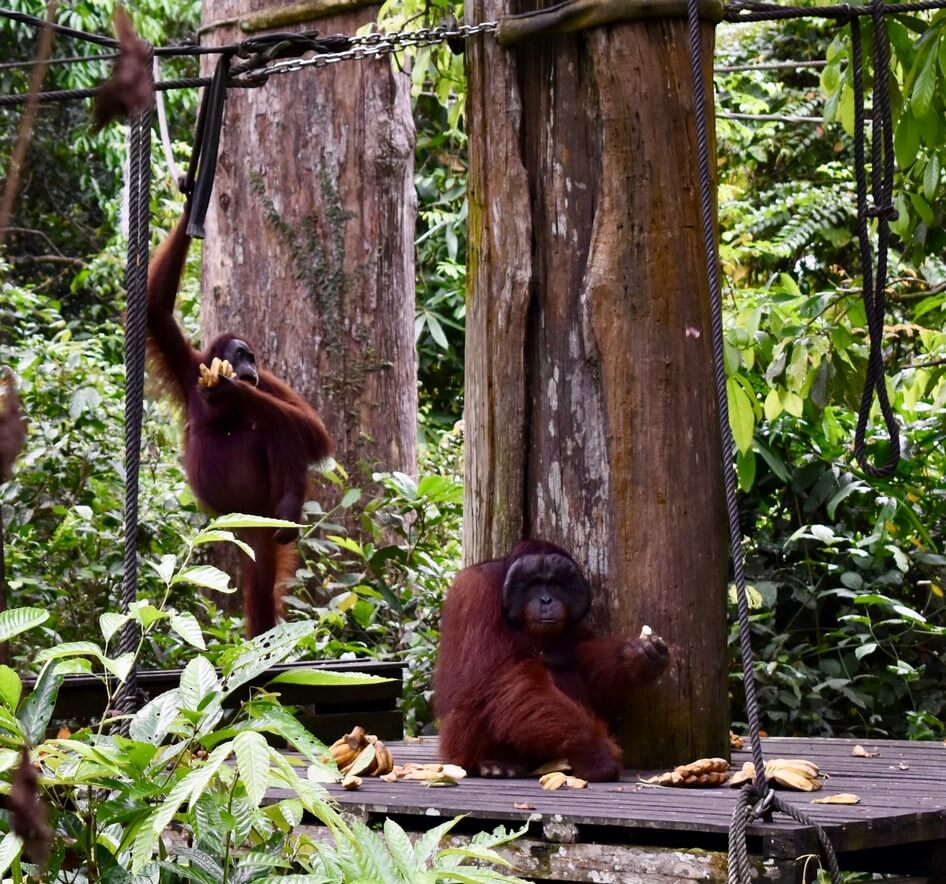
[(38, 707), (10, 687), (741, 415), (924, 86), (252, 754), (207, 576), (18, 620), (326, 678)]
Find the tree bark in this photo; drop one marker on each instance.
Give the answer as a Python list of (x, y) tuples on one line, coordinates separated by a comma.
[(309, 249), (590, 414)]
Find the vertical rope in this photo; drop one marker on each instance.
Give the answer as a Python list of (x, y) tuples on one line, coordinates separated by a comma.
[(722, 404), (882, 169), (739, 871), (136, 284)]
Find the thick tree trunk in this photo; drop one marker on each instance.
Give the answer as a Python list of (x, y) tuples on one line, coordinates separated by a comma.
[(590, 416), (309, 248)]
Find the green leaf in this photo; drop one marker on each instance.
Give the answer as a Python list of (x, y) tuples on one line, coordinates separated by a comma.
[(425, 846), (862, 651), (186, 626), (198, 679), (931, 174), (924, 86), (242, 520), (272, 718), (10, 688), (18, 620), (151, 723), (266, 650), (165, 567), (402, 851), (350, 498), (145, 613), (38, 707), (922, 208), (772, 407), (745, 469), (852, 580), (792, 402), (9, 759), (741, 415), (189, 788), (252, 755), (908, 613), (206, 576), (849, 489), (71, 649), (120, 666), (201, 867), (207, 536), (436, 331), (906, 140), (10, 848), (323, 677), (110, 623), (348, 543)]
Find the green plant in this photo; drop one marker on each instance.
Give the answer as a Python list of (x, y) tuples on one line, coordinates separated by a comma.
[(386, 589), (181, 797)]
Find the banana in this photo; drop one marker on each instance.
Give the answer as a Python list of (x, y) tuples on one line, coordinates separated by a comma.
[(384, 761), (792, 773), (702, 772), (554, 780), (351, 782)]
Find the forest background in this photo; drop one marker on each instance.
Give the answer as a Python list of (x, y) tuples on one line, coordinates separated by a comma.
[(848, 607)]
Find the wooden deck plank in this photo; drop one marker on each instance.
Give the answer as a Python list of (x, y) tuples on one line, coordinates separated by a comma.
[(902, 790)]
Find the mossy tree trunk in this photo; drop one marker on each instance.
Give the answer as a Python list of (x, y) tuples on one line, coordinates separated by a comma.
[(309, 246), (590, 414)]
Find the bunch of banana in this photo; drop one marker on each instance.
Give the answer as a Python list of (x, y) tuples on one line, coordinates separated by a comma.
[(792, 773), (702, 772), (361, 753), (556, 779)]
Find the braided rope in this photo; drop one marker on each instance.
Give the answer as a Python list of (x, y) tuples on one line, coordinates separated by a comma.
[(739, 871), (136, 283), (722, 403), (874, 284), (743, 11), (74, 94)]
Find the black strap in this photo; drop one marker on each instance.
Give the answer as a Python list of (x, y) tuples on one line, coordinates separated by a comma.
[(199, 182)]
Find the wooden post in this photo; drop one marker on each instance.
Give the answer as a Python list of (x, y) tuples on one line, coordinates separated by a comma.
[(309, 248), (590, 413)]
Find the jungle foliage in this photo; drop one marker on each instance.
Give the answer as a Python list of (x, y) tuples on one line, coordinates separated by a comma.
[(847, 573)]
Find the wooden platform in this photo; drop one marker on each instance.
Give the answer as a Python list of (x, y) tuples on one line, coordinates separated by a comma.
[(628, 832)]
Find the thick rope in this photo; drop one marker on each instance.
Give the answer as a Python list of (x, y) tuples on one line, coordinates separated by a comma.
[(750, 11), (136, 283), (722, 403), (739, 871), (882, 168)]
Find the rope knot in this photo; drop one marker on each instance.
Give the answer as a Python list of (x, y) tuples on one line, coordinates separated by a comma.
[(845, 14), (887, 211)]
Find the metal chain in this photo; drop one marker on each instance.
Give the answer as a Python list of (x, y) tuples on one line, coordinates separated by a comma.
[(376, 45)]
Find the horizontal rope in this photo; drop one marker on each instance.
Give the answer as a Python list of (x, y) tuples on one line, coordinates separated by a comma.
[(737, 11), (740, 11)]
